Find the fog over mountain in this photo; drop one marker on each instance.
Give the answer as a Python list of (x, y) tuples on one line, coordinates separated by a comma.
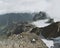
[(52, 7), (8, 6)]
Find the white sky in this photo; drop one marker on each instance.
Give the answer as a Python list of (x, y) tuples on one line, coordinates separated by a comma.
[(7, 6), (54, 10)]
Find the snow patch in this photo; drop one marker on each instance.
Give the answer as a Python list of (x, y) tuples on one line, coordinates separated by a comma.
[(48, 43), (41, 23)]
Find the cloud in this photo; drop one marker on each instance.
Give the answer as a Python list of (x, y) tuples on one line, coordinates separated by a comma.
[(54, 10), (7, 6)]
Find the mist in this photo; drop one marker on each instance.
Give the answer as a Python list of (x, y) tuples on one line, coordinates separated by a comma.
[(54, 10), (8, 6)]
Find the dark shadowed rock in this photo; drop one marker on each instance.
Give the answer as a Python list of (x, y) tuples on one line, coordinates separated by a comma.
[(51, 31), (36, 30), (50, 20)]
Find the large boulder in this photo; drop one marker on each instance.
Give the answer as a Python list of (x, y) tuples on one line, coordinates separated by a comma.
[(51, 31)]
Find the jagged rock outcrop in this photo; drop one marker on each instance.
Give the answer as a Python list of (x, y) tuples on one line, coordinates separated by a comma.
[(40, 15), (51, 31)]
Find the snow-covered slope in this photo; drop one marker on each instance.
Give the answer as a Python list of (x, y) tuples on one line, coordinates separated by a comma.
[(40, 23), (48, 43)]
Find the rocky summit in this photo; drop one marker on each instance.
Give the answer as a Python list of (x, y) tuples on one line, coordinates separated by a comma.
[(20, 36), (23, 40)]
